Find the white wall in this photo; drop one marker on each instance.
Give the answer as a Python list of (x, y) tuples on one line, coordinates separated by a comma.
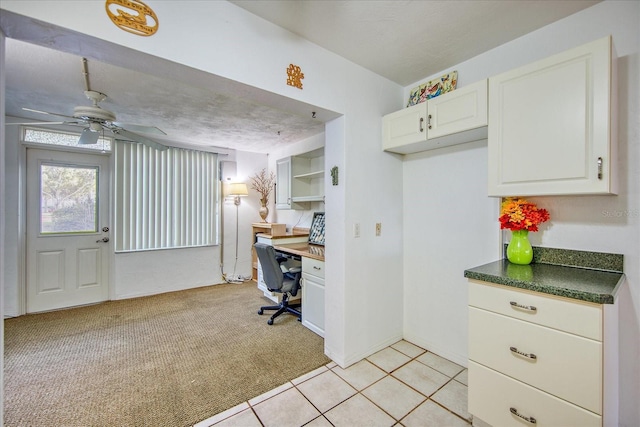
[(364, 288), (2, 216), (153, 272), (449, 210), (12, 258), (448, 227)]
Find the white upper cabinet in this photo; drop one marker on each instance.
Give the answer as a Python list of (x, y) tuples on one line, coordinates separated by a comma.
[(552, 127), (300, 180), (453, 118)]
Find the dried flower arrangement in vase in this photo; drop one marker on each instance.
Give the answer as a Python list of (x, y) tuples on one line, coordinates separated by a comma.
[(263, 184)]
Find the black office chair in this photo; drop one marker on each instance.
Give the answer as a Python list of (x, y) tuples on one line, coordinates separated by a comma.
[(278, 278)]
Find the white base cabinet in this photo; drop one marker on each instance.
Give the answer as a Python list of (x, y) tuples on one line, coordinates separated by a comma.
[(537, 359), (552, 125), (313, 295), (453, 118)]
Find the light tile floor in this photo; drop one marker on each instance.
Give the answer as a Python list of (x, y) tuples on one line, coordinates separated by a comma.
[(402, 385)]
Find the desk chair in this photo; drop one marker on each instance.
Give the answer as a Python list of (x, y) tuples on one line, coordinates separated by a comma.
[(278, 278)]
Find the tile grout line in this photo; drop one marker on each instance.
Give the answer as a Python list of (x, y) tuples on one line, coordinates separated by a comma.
[(386, 374)]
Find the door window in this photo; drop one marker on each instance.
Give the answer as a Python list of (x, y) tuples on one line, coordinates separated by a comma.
[(68, 196)]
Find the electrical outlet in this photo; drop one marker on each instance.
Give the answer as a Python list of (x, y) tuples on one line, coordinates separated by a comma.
[(356, 229), (378, 228)]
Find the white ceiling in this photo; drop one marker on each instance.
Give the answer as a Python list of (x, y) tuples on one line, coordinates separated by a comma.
[(404, 41)]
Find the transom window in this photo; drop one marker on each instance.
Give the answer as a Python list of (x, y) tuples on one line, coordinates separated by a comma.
[(66, 139)]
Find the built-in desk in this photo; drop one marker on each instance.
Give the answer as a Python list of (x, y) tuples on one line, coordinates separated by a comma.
[(274, 234), (302, 249)]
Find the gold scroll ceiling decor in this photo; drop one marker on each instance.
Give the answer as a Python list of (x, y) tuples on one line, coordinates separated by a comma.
[(294, 76), (132, 16)]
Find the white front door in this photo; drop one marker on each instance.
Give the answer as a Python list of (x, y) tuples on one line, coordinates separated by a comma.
[(67, 229)]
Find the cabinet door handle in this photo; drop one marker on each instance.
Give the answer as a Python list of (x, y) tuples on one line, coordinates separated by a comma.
[(523, 307), (527, 355), (315, 267), (421, 124), (514, 411), (429, 122), (599, 167)]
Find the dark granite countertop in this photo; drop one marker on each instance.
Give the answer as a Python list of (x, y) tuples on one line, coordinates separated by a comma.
[(551, 273)]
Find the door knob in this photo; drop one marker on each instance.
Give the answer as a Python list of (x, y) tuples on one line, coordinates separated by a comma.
[(103, 240)]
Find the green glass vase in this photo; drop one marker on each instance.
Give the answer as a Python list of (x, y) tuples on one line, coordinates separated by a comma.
[(519, 250)]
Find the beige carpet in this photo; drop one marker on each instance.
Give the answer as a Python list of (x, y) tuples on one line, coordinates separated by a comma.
[(166, 360)]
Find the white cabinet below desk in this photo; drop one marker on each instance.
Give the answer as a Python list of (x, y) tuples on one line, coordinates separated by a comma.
[(313, 295)]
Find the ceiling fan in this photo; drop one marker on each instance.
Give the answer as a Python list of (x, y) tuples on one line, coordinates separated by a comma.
[(96, 119)]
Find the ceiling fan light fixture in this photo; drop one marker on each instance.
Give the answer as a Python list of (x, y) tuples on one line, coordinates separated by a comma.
[(93, 113), (89, 137)]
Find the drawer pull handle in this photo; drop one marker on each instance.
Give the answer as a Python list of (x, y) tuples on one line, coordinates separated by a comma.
[(531, 420), (315, 267), (527, 355), (524, 307)]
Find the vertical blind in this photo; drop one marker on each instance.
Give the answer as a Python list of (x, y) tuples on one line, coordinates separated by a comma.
[(164, 199)]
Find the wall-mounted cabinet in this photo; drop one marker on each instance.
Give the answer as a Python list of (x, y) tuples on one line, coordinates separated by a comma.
[(552, 125), (300, 180), (453, 118)]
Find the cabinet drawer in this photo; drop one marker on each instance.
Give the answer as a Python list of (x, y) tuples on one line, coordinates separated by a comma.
[(313, 267), (578, 318), (492, 395), (567, 366)]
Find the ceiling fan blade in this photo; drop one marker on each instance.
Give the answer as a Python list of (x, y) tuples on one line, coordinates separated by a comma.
[(46, 112), (41, 123), (89, 137), (132, 136), (140, 128)]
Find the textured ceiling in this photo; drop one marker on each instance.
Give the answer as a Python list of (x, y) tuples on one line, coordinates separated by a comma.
[(405, 41)]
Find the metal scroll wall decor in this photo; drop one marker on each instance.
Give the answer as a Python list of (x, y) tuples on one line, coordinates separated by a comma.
[(294, 76), (132, 16)]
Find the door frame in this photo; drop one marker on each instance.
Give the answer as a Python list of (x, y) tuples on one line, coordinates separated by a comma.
[(22, 215)]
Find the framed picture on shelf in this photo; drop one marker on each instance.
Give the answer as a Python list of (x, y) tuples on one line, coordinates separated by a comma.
[(443, 84), (316, 232)]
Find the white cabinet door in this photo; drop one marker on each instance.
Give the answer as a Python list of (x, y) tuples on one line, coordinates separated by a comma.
[(405, 128), (550, 127), (458, 111), (453, 118), (313, 295), (283, 183)]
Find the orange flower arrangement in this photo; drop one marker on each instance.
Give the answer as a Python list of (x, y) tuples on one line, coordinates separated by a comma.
[(519, 214)]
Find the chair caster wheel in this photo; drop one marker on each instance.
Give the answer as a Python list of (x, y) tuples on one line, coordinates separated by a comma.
[(260, 312), (270, 322)]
